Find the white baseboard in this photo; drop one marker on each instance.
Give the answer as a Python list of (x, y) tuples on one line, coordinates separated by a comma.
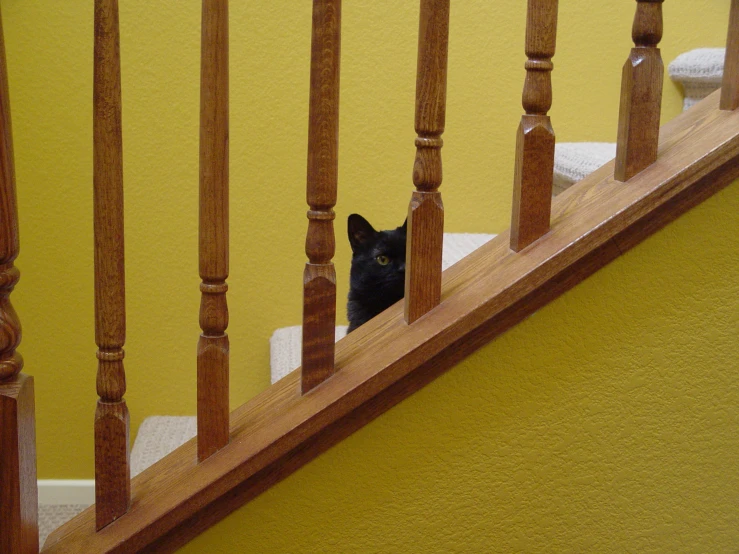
[(66, 491)]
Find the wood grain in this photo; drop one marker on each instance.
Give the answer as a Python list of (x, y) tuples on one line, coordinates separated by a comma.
[(319, 276), (386, 360), (730, 85), (213, 344), (426, 210), (11, 361), (534, 170), (641, 94), (112, 471), (18, 491)]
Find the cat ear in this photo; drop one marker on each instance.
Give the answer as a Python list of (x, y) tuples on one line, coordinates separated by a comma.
[(360, 230), (405, 225)]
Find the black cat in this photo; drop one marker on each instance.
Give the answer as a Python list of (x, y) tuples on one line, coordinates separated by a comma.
[(377, 278)]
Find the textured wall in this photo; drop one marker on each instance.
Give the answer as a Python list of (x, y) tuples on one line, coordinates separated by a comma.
[(606, 422), (49, 47)]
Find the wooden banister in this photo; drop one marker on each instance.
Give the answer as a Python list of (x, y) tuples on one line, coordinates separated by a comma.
[(112, 469), (386, 360), (18, 491), (730, 85), (641, 94), (534, 170), (319, 276), (426, 211), (213, 345)]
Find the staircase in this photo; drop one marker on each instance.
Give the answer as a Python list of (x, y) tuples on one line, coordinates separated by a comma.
[(593, 221), (385, 361), (699, 72)]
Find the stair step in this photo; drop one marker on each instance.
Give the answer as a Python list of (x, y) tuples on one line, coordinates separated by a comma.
[(51, 516), (576, 160), (699, 72), (157, 437)]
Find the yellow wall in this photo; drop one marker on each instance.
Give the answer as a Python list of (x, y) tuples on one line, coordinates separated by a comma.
[(49, 48), (606, 422)]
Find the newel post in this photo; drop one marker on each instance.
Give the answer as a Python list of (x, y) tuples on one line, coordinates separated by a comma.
[(18, 490)]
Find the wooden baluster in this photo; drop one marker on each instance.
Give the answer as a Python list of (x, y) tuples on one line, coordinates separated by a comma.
[(319, 277), (112, 471), (730, 86), (534, 170), (426, 210), (641, 94), (18, 492), (11, 361), (213, 345)]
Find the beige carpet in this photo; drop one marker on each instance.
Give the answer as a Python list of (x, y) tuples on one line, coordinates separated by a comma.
[(51, 516)]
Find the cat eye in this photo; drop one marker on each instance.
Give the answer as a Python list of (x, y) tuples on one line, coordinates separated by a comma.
[(382, 260)]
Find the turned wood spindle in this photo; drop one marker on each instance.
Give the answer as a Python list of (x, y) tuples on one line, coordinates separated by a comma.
[(534, 169), (18, 492), (730, 85), (641, 94), (11, 361), (426, 210), (213, 345), (112, 470), (319, 276)]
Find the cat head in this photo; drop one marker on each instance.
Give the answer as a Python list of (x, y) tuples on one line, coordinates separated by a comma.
[(378, 258)]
